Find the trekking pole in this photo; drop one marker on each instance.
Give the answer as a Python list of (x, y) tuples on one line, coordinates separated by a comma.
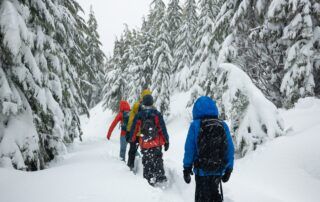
[(221, 190)]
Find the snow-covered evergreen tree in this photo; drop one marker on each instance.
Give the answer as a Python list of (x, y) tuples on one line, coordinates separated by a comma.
[(136, 70), (301, 35), (40, 99), (92, 79), (174, 18), (116, 82), (146, 47), (162, 59), (256, 32), (184, 51), (204, 60)]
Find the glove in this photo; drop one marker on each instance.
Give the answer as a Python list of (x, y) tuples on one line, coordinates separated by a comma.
[(187, 172), (166, 146), (225, 178)]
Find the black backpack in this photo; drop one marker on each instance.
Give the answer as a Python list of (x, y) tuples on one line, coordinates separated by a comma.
[(125, 120), (212, 145), (149, 129)]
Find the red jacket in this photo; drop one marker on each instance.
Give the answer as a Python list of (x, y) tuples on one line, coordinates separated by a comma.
[(123, 107)]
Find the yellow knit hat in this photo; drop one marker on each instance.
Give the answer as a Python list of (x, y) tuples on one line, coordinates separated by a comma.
[(144, 93)]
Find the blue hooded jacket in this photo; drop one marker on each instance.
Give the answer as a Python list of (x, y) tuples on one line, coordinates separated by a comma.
[(205, 107)]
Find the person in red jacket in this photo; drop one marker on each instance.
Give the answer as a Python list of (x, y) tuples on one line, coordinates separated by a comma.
[(149, 122), (123, 118)]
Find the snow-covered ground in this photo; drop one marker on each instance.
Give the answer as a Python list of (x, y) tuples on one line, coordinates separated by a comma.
[(286, 169)]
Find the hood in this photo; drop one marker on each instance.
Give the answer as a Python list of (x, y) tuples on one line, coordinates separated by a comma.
[(124, 106), (204, 107), (144, 93)]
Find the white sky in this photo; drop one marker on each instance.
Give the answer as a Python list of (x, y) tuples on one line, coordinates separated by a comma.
[(113, 14)]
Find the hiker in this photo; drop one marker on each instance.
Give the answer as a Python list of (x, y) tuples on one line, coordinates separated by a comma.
[(123, 118), (134, 145), (150, 123), (209, 151)]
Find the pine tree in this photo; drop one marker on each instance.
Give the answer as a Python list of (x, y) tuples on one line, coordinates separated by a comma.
[(38, 83), (300, 34), (146, 46), (174, 13), (116, 82), (275, 46), (136, 69), (184, 52), (74, 44), (204, 60), (92, 79), (162, 59), (256, 32)]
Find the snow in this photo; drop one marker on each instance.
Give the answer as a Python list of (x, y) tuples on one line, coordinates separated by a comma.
[(19, 133), (287, 168), (276, 7), (284, 169), (13, 27)]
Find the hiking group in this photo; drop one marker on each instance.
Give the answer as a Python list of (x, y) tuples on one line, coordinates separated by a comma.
[(209, 150)]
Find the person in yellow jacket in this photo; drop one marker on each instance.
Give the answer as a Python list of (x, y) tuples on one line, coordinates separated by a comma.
[(134, 145)]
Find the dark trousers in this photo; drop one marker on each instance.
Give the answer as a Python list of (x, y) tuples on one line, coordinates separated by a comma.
[(207, 189), (132, 153), (152, 163)]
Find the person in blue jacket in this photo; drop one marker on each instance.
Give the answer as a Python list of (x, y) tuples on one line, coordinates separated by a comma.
[(207, 182)]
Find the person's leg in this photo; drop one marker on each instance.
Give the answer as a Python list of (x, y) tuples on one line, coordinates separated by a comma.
[(215, 184), (158, 163), (132, 154), (147, 165), (198, 188), (207, 189), (123, 147)]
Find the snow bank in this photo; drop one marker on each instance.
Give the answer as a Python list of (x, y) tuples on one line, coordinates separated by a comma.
[(287, 168)]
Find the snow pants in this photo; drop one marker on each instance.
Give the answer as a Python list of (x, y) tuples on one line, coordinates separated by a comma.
[(207, 189), (132, 153), (152, 163), (123, 147)]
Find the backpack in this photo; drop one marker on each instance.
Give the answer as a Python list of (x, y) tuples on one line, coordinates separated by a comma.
[(125, 120), (212, 146), (149, 129)]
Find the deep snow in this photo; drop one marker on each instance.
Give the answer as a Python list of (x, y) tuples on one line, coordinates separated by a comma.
[(285, 169)]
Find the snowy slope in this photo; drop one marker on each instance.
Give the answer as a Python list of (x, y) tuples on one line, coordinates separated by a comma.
[(286, 169)]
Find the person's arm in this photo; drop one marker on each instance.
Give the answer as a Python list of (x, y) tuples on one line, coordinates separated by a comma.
[(163, 128), (230, 151), (190, 148), (113, 124)]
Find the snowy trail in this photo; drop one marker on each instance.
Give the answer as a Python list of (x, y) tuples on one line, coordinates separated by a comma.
[(286, 169)]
